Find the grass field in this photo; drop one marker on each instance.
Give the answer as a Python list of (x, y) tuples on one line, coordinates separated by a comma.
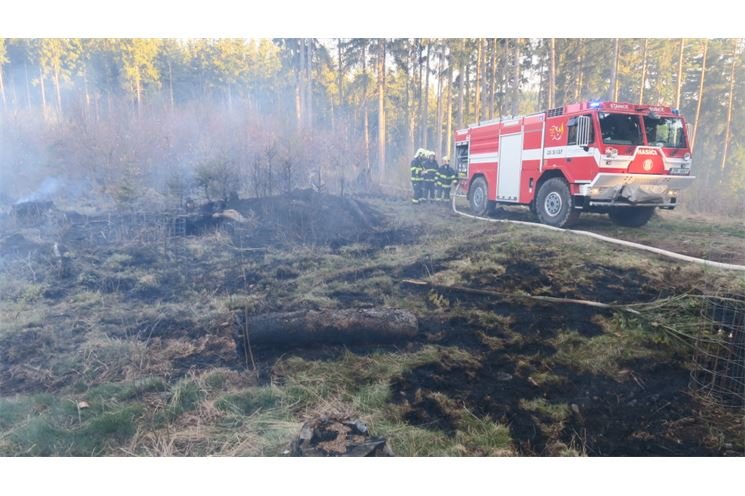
[(124, 347)]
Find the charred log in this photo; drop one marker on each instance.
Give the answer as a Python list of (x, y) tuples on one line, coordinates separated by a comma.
[(308, 328)]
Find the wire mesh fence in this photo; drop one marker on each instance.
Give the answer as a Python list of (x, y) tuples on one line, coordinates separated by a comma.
[(718, 373)]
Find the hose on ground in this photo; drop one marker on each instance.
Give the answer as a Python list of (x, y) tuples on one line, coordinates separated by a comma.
[(629, 244)]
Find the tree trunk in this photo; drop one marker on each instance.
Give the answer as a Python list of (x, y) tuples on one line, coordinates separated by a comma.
[(407, 109), (381, 110), (679, 86), (477, 95), (316, 327), (86, 92), (419, 95), (43, 94), (468, 95), (425, 100), (613, 90), (580, 70), (484, 98), (700, 93), (732, 76), (542, 86), (138, 91), (438, 125), (516, 83), (450, 110), (340, 75), (366, 124), (170, 85), (300, 87), (644, 71), (425, 115), (461, 85), (493, 82), (552, 74), (58, 94), (298, 103), (502, 63), (28, 85), (309, 83)]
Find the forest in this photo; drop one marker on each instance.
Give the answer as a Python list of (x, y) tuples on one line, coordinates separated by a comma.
[(160, 120)]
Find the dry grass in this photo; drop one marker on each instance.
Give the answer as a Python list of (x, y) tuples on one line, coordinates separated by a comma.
[(136, 361)]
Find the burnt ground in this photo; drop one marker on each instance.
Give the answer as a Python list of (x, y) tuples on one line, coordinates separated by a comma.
[(95, 301), (647, 412), (655, 416)]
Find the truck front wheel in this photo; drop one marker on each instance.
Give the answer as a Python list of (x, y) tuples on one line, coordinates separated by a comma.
[(631, 216), (554, 204), (477, 197)]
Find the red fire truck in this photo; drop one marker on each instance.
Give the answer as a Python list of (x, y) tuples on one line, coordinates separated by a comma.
[(616, 158)]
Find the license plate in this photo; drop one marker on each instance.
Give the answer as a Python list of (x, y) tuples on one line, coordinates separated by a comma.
[(679, 172)]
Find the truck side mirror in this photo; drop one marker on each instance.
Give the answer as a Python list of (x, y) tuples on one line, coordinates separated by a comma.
[(584, 124)]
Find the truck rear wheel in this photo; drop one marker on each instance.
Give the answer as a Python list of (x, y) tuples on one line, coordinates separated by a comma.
[(477, 197), (631, 216), (554, 204)]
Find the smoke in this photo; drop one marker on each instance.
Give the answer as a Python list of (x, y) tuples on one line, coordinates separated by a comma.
[(48, 187), (59, 189)]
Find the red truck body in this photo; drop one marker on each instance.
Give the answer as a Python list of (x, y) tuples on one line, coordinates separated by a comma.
[(609, 156)]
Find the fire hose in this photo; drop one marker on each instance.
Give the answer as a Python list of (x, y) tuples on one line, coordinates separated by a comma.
[(637, 246)]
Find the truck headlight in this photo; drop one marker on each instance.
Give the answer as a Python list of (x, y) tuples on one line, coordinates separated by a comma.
[(655, 189)]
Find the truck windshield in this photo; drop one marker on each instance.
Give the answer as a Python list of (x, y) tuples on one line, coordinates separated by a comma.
[(620, 129), (665, 131)]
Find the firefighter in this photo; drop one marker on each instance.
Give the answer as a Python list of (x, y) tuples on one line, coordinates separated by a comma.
[(445, 179), (430, 176), (416, 175)]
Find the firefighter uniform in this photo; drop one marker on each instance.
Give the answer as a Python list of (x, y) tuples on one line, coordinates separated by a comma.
[(417, 181), (430, 176), (445, 178)]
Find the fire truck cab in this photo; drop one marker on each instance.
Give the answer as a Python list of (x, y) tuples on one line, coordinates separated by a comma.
[(617, 158)]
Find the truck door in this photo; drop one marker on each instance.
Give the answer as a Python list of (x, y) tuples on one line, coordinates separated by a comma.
[(510, 166)]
